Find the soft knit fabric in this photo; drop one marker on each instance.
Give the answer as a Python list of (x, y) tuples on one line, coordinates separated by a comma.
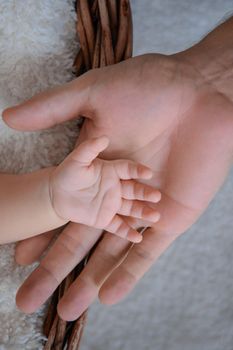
[(185, 302)]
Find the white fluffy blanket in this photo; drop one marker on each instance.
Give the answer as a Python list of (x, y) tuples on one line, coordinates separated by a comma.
[(185, 302), (37, 48)]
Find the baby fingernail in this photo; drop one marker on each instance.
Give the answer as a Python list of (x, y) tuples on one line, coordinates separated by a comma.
[(156, 196), (134, 236), (152, 215)]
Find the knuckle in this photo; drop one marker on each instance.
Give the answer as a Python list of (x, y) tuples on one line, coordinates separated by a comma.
[(72, 246), (49, 272), (109, 258), (88, 281), (123, 229), (128, 275), (137, 209), (139, 189), (145, 254)]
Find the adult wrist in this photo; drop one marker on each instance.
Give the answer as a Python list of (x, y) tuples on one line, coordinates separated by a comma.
[(212, 59), (211, 63)]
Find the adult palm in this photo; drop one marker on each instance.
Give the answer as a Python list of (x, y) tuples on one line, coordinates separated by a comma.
[(157, 110)]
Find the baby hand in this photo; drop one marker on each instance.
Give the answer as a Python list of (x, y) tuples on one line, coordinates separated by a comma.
[(99, 193)]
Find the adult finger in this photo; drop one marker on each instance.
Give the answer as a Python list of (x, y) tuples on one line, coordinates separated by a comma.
[(69, 249), (53, 106), (175, 219), (108, 254), (140, 258), (30, 250)]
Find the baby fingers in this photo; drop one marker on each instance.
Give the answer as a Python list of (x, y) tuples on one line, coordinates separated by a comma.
[(138, 209), (127, 169), (119, 227), (87, 151), (135, 190)]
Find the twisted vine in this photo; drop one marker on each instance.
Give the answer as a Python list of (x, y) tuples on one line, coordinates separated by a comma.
[(104, 28)]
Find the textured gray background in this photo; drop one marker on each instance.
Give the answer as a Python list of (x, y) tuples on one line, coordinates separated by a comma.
[(185, 302)]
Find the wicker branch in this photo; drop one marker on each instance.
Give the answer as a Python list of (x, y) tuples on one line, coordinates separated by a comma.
[(104, 29)]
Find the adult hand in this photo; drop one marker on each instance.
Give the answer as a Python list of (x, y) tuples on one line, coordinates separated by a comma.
[(170, 113)]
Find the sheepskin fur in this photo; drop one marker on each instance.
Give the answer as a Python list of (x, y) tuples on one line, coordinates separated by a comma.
[(37, 47)]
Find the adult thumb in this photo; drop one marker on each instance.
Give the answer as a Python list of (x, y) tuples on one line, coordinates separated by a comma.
[(52, 107)]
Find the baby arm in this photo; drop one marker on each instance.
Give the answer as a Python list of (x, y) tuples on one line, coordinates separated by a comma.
[(25, 206), (82, 189)]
